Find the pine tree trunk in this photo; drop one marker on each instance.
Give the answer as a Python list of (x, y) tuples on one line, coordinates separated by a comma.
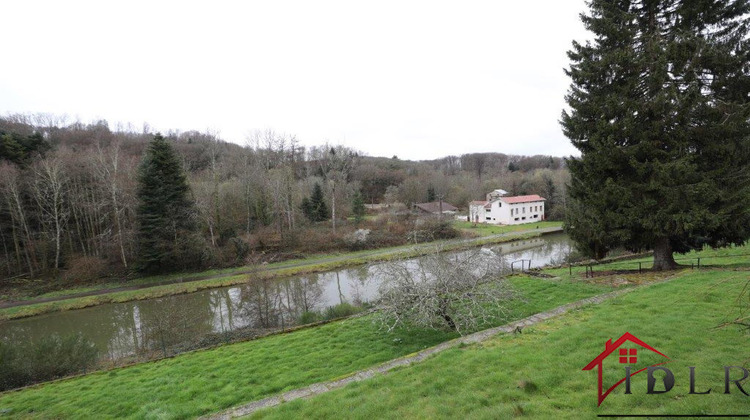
[(663, 258)]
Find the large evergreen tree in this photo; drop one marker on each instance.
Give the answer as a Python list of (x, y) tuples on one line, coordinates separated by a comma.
[(315, 208), (659, 111), (166, 212)]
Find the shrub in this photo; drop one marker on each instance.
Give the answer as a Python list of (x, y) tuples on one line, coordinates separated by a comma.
[(455, 292), (83, 269), (308, 317), (341, 310), (432, 229), (49, 358)]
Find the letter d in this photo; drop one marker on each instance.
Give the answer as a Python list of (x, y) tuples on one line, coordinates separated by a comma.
[(668, 380)]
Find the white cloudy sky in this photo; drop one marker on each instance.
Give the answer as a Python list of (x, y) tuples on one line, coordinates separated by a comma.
[(419, 79)]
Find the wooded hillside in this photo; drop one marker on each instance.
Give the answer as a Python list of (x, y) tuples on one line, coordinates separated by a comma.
[(68, 199)]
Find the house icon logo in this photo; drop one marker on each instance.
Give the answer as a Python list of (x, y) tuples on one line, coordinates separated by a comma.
[(625, 350)]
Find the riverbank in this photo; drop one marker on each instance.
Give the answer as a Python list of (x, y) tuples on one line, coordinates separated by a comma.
[(154, 287), (206, 381), (212, 380)]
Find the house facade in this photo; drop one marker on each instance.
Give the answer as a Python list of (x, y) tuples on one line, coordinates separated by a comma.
[(499, 209)]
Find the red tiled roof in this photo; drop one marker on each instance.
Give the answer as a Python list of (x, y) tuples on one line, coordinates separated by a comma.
[(522, 199)]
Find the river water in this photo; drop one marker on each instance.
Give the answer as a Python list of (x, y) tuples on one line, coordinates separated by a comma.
[(155, 327)]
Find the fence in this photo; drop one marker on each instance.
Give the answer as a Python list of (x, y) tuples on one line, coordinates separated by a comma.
[(512, 265), (695, 263)]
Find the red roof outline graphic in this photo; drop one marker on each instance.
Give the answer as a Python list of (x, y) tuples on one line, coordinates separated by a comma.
[(610, 347)]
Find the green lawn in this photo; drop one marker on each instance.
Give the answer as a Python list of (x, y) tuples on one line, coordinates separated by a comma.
[(485, 229), (207, 381), (730, 257), (537, 374)]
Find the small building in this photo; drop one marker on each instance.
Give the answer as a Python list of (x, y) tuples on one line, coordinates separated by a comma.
[(436, 207), (501, 210)]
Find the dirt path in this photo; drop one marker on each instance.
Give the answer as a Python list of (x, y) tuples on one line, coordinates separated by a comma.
[(374, 254), (384, 368)]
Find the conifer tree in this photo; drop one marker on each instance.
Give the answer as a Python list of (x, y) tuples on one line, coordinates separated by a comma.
[(431, 195), (166, 212), (659, 111), (314, 208), (358, 207), (318, 204)]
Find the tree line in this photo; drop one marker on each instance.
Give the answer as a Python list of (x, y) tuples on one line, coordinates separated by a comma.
[(84, 200)]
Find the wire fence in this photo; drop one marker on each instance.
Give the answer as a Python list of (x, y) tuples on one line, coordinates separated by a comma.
[(694, 263)]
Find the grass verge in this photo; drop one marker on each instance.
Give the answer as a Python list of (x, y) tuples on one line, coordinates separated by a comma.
[(486, 229)]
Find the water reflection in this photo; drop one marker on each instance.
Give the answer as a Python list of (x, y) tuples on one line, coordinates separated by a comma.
[(156, 327)]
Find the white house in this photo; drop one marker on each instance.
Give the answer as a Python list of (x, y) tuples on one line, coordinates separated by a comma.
[(501, 210)]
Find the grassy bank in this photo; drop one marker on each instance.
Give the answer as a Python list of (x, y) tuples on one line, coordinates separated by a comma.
[(482, 235), (206, 381), (537, 374), (485, 229), (730, 257), (230, 277)]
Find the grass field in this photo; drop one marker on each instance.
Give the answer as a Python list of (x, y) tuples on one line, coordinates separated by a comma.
[(537, 374), (206, 381)]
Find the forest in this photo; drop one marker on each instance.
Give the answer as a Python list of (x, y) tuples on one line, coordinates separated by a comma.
[(69, 197)]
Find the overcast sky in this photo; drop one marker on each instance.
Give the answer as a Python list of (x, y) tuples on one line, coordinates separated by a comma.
[(417, 79)]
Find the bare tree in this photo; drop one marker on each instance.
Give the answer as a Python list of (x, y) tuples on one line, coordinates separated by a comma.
[(11, 189), (49, 193), (109, 172), (458, 292), (335, 166)]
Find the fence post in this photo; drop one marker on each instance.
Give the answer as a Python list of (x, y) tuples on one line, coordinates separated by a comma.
[(570, 268), (699, 262), (640, 268)]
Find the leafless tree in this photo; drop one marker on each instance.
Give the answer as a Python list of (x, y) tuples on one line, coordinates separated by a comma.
[(11, 189), (458, 292), (109, 173), (335, 163), (49, 193)]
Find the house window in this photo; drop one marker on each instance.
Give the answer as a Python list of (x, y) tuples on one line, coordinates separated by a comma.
[(633, 359), (523, 218), (536, 216), (516, 219), (488, 218), (524, 210)]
